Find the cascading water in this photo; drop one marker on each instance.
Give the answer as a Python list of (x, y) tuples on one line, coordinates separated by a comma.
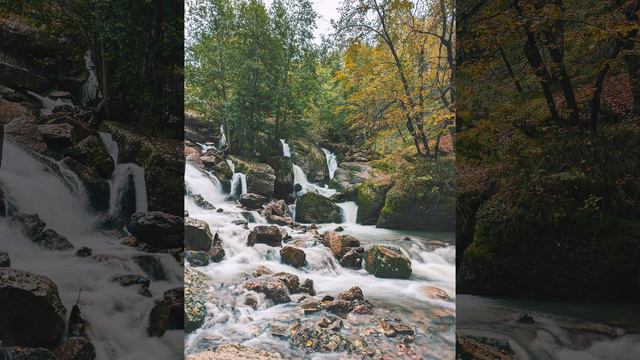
[(232, 321), (90, 88), (299, 177), (117, 316), (332, 162), (286, 150), (223, 138), (238, 180), (127, 179), (48, 104)]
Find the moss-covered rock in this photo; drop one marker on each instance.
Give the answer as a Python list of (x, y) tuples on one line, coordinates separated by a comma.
[(283, 167), (96, 187), (387, 262), (311, 159), (315, 208), (195, 297), (371, 199), (421, 201), (92, 153)]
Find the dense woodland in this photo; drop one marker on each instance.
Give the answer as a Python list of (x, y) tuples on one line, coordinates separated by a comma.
[(548, 109), (137, 47)]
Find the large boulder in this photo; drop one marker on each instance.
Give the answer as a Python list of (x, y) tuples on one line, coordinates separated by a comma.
[(252, 201), (315, 208), (31, 312), (195, 297), (197, 235), (92, 153), (370, 200), (58, 136), (261, 179), (167, 314), (386, 262), (266, 234), (274, 289), (75, 348), (97, 187), (24, 132), (339, 244), (158, 229), (293, 256), (311, 159), (51, 240), (283, 186)]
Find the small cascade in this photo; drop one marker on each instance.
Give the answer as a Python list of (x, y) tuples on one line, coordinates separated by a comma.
[(299, 177), (286, 150), (204, 148), (349, 212), (90, 88), (332, 162), (238, 181), (48, 104), (223, 138), (127, 188)]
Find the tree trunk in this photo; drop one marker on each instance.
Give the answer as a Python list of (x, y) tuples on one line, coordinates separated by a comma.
[(595, 100), (510, 70)]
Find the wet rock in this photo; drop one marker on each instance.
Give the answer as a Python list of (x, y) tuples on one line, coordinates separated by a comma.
[(151, 265), (362, 309), (317, 339), (167, 314), (283, 184), (5, 261), (260, 180), (478, 347), (307, 287), (97, 187), (57, 136), (292, 282), (84, 252), (274, 289), (110, 225), (202, 203), (339, 229), (402, 329), (339, 244), (135, 280), (293, 256), (352, 259), (278, 208), (353, 294), (80, 128), (51, 240), (526, 319), (315, 208), (251, 300), (310, 306), (77, 324), (280, 220), (13, 110), (262, 270), (234, 352), (197, 235), (386, 262), (266, 234), (23, 131), (92, 153), (197, 258), (341, 307), (252, 201), (433, 292), (195, 297), (158, 229), (331, 323), (75, 348), (25, 353), (26, 299), (311, 159), (371, 199), (30, 224), (216, 253)]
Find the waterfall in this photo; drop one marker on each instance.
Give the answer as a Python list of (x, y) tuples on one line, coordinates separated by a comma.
[(332, 162), (127, 182), (223, 138), (349, 212), (117, 315), (48, 104), (90, 88), (299, 177), (286, 150), (238, 180)]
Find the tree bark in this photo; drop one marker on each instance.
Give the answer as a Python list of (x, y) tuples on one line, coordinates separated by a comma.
[(510, 70)]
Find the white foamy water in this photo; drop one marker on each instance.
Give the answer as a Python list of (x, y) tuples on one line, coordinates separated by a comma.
[(48, 104), (232, 321), (117, 316), (286, 150), (332, 162), (90, 88)]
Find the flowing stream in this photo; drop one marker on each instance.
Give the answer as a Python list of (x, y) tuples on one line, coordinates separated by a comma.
[(231, 321), (332, 162), (117, 316), (564, 331)]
